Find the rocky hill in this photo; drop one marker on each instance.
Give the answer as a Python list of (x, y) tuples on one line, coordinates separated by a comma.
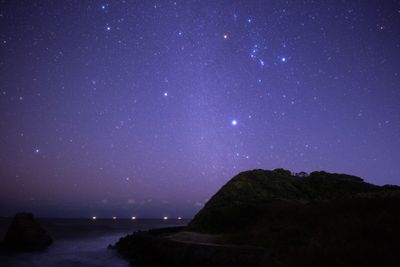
[(316, 219), (247, 196), (305, 219)]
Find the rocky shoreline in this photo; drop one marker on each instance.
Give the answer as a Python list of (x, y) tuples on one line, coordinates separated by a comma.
[(160, 248)]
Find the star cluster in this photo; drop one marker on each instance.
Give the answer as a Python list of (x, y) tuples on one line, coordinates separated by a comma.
[(146, 108)]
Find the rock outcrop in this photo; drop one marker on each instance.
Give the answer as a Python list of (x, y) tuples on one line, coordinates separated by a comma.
[(26, 234)]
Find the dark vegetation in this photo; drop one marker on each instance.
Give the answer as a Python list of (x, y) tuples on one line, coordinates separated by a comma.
[(316, 219)]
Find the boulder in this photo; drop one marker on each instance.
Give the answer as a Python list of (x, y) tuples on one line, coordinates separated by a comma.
[(26, 234)]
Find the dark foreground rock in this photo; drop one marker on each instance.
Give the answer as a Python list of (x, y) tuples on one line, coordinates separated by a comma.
[(26, 234), (156, 248), (317, 219)]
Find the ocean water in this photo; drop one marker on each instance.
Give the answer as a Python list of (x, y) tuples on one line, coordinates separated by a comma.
[(81, 242)]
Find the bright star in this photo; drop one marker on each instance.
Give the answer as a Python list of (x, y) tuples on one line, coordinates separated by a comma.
[(165, 94), (234, 122), (108, 28), (225, 36), (283, 59), (37, 150)]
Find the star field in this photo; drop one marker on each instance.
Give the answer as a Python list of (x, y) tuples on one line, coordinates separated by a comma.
[(146, 108)]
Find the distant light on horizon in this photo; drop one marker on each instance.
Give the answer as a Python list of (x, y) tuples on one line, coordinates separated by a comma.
[(165, 218), (94, 217), (114, 218), (133, 218), (179, 218)]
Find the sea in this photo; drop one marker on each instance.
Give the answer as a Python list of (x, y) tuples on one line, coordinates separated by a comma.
[(81, 242)]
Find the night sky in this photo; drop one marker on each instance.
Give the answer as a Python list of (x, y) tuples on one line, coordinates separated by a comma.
[(146, 108)]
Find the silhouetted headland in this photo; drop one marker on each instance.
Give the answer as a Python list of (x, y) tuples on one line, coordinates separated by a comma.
[(276, 218)]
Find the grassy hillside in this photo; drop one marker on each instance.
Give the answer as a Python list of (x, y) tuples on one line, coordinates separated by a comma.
[(248, 196), (320, 219)]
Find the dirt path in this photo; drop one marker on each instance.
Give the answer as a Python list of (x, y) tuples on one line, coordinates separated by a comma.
[(192, 237)]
